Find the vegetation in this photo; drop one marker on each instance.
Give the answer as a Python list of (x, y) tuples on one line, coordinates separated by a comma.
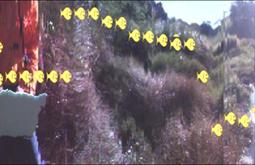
[(138, 103)]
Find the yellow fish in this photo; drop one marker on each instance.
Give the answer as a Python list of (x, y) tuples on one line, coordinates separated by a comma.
[(203, 76), (135, 35), (190, 44), (162, 39), (53, 76), (1, 47), (217, 130), (253, 110), (1, 79), (38, 76), (245, 121), (107, 22), (94, 13), (121, 23), (80, 13), (11, 76), (230, 117), (176, 43), (66, 13), (66, 76), (25, 76), (149, 37)]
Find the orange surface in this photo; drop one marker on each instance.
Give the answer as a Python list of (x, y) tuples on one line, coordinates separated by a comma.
[(11, 57)]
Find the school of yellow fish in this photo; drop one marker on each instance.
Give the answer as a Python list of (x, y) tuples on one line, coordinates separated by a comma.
[(244, 121), (37, 76), (135, 34)]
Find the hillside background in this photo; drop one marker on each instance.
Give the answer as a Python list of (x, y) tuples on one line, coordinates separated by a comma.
[(138, 103)]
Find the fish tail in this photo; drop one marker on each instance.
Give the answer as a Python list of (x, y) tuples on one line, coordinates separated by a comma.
[(157, 40), (19, 75), (75, 13), (47, 75), (129, 35), (61, 12), (225, 117), (143, 36), (6, 76), (197, 75), (116, 22)]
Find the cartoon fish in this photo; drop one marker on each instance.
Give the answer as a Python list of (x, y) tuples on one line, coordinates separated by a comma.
[(203, 76), (162, 39), (176, 43), (11, 76), (190, 44), (217, 130), (121, 23), (53, 76), (25, 76), (38, 76), (94, 13), (230, 117), (1, 79), (148, 36), (66, 13), (107, 22), (66, 76), (80, 13), (252, 110), (135, 35), (245, 121), (1, 47)]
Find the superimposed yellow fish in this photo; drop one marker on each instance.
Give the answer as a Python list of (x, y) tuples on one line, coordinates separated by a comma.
[(252, 110), (66, 13), (135, 35), (148, 36), (80, 13), (121, 23), (176, 43), (245, 121), (217, 130), (66, 76), (162, 39), (203, 76), (38, 76), (230, 117), (107, 22), (190, 44), (1, 47), (1, 79), (25, 76), (94, 13), (11, 76), (53, 76)]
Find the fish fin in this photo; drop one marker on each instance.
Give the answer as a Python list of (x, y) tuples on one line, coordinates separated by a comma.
[(116, 22), (225, 117), (129, 36), (143, 36), (198, 76)]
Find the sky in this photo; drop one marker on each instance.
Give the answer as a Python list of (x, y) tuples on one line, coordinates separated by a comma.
[(197, 11)]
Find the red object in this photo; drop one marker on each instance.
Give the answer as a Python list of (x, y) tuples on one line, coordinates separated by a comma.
[(18, 36)]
